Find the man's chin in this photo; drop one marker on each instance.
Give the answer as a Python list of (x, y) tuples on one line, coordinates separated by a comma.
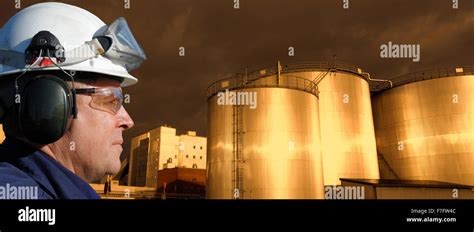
[(112, 167), (115, 168)]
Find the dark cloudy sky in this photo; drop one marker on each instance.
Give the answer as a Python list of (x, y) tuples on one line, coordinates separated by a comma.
[(220, 40)]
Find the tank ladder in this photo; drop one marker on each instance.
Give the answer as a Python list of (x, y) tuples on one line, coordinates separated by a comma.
[(237, 150), (320, 77)]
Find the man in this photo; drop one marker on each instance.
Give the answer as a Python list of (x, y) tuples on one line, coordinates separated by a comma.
[(61, 73)]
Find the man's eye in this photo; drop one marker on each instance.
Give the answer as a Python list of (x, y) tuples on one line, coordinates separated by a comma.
[(107, 99), (113, 102)]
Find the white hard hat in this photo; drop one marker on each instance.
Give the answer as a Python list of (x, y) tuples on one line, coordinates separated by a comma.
[(71, 25)]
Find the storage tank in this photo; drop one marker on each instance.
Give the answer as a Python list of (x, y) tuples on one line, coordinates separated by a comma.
[(267, 150), (346, 123), (344, 132), (425, 126)]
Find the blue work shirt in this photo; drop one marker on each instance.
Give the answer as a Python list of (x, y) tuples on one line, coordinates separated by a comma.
[(22, 166)]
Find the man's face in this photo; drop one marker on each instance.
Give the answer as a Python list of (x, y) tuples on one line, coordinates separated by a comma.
[(96, 136)]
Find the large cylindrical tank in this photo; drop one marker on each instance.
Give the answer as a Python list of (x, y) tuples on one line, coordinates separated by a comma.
[(279, 140), (346, 123), (425, 126), (347, 129), (344, 129)]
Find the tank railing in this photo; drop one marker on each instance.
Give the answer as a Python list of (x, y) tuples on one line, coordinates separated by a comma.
[(379, 81), (320, 66), (288, 81), (239, 80), (425, 75)]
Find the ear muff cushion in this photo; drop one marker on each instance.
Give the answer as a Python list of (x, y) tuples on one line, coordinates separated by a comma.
[(45, 109)]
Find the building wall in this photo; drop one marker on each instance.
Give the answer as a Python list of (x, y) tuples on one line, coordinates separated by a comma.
[(192, 151), (167, 143), (161, 149), (139, 160), (197, 176)]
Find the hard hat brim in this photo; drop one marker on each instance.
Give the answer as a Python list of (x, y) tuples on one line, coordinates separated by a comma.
[(100, 66)]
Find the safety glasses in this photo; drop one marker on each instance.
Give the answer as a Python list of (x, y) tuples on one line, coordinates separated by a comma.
[(105, 99)]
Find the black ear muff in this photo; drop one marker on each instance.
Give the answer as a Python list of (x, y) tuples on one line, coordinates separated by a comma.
[(45, 108)]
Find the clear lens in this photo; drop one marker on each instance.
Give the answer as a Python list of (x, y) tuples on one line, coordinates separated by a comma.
[(125, 37), (107, 99), (125, 49)]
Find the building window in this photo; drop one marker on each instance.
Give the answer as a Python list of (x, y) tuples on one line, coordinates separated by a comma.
[(187, 156), (200, 157), (194, 147), (194, 157), (201, 147), (195, 166), (175, 156)]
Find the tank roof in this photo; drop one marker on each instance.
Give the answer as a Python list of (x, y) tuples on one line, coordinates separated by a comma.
[(247, 80), (426, 74)]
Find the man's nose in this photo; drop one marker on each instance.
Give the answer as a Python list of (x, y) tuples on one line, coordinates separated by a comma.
[(125, 121)]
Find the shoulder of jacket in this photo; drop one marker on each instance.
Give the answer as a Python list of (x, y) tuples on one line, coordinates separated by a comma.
[(10, 174), (12, 177)]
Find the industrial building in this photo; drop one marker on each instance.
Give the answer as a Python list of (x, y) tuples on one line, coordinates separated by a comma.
[(314, 127), (184, 183), (161, 149)]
